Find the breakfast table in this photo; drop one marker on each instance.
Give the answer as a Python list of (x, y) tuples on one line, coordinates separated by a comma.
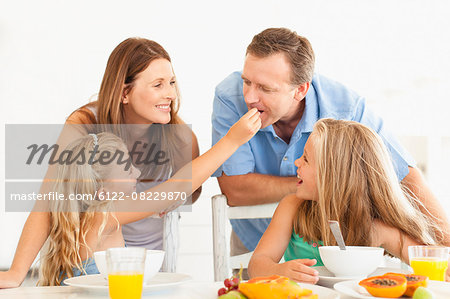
[(190, 289)]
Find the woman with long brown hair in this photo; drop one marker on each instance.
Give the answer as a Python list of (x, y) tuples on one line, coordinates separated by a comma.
[(138, 89)]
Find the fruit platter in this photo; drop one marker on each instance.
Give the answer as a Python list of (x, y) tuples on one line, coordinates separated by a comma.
[(274, 286)]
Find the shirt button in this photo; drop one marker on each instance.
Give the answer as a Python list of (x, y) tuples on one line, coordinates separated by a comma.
[(285, 159)]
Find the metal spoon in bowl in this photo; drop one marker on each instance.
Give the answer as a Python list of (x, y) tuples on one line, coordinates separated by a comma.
[(336, 230)]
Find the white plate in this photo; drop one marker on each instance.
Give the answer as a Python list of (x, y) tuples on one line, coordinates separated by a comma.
[(97, 283), (327, 279), (324, 293), (440, 289)]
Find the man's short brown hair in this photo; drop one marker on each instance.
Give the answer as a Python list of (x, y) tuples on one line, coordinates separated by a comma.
[(297, 50)]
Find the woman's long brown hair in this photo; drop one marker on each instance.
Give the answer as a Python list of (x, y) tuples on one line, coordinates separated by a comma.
[(127, 60)]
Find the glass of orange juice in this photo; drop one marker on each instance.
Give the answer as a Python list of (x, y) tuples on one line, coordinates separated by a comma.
[(431, 261), (125, 272)]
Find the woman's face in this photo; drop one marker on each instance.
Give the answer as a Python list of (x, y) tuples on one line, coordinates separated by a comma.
[(306, 173), (153, 91)]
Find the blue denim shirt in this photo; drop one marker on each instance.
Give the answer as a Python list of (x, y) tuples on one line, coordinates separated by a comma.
[(266, 153)]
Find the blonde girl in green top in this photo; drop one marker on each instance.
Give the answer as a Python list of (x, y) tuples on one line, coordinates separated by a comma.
[(345, 174)]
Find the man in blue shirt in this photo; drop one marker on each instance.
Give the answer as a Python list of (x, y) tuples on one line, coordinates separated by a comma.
[(278, 79)]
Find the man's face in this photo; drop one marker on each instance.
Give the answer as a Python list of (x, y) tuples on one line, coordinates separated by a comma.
[(267, 87)]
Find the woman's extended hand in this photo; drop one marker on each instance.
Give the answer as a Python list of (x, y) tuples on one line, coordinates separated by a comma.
[(299, 270), (245, 128)]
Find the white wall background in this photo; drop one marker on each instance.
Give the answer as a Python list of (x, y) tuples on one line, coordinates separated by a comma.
[(396, 53)]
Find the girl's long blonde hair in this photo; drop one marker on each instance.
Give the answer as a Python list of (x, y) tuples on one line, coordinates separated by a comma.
[(357, 184), (71, 220)]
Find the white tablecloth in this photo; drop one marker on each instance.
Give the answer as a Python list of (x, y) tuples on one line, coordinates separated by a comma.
[(188, 290)]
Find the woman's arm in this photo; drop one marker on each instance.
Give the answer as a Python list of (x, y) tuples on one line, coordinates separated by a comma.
[(191, 176), (195, 154), (34, 234), (273, 244)]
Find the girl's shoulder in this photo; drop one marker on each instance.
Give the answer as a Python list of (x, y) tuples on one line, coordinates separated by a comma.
[(291, 200), (289, 204), (84, 115)]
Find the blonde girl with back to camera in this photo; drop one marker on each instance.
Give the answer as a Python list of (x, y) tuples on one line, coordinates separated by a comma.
[(78, 228)]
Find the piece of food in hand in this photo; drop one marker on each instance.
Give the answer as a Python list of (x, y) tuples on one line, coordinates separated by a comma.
[(423, 293), (274, 287), (233, 295), (413, 281), (388, 286)]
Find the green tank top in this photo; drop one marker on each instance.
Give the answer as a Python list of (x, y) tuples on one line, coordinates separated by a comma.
[(299, 249)]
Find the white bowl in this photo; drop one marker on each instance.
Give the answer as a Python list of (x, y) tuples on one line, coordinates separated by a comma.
[(153, 262), (356, 261)]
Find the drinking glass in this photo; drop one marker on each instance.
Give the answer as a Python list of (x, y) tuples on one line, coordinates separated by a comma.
[(125, 272), (431, 261)]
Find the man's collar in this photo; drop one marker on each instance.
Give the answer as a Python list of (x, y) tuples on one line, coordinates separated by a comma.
[(311, 112)]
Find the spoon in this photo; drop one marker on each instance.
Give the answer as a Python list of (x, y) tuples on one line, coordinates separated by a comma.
[(336, 230)]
